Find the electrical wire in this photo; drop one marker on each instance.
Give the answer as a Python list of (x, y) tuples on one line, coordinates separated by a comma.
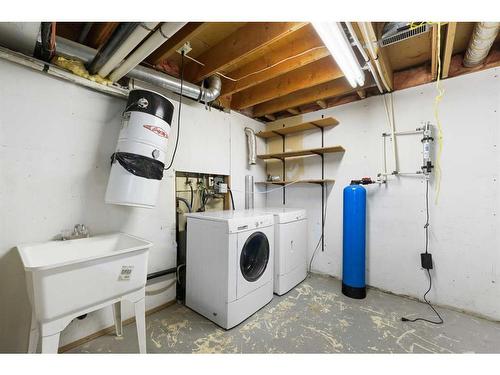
[(178, 114), (437, 100), (320, 239), (426, 227), (263, 69), (232, 198), (269, 191)]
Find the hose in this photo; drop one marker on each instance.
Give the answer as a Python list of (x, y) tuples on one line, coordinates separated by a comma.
[(185, 201)]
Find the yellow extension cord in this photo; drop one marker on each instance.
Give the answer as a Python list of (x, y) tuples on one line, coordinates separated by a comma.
[(437, 100)]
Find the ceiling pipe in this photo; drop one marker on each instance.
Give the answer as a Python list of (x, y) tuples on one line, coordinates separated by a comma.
[(364, 55), (85, 31), (136, 37), (109, 48), (374, 53), (153, 42), (482, 39), (206, 94)]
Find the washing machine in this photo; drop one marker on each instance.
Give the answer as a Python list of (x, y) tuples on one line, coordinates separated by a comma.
[(290, 247), (229, 264)]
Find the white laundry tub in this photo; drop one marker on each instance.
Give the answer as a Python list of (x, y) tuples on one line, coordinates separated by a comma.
[(66, 279)]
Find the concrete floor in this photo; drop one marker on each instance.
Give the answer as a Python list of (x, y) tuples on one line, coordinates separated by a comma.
[(312, 318)]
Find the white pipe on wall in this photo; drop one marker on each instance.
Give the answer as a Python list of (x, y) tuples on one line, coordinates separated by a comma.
[(128, 45), (163, 33)]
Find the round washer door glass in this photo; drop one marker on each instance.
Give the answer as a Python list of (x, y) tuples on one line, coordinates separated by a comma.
[(254, 256)]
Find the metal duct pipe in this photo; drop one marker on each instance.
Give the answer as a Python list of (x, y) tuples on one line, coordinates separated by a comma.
[(136, 37), (482, 39), (249, 193), (109, 48), (207, 94), (162, 34), (252, 146)]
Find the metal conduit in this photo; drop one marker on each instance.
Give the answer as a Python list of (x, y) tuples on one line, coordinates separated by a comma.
[(206, 94)]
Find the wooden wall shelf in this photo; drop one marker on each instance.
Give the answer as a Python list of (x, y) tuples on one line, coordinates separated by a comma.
[(310, 151), (283, 130)]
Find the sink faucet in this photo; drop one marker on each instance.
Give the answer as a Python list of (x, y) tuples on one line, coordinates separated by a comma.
[(79, 231)]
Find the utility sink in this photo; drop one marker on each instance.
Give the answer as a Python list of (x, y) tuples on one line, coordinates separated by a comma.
[(66, 279)]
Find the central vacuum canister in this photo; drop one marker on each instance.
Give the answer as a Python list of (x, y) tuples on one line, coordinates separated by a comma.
[(354, 238), (139, 160)]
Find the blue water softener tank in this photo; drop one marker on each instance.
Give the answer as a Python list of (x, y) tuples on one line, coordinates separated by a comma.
[(354, 239)]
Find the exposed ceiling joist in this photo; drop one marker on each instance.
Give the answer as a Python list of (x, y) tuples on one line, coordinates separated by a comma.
[(293, 111), (321, 103), (301, 48), (100, 33), (238, 46), (313, 74), (434, 52), (312, 94), (448, 48), (171, 46)]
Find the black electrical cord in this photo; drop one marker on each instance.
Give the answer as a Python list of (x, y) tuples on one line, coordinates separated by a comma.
[(232, 199), (178, 113), (192, 193), (426, 227)]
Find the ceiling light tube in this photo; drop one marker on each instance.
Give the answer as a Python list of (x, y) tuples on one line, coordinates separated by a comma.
[(335, 40)]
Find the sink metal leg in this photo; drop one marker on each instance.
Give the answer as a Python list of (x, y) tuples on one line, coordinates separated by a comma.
[(117, 314), (140, 321), (34, 335), (50, 344)]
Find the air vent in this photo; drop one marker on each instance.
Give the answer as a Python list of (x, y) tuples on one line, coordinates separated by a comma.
[(403, 35)]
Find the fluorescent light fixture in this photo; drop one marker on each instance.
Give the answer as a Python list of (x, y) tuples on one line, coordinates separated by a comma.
[(332, 34)]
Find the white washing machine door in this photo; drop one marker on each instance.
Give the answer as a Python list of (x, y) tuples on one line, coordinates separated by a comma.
[(254, 261)]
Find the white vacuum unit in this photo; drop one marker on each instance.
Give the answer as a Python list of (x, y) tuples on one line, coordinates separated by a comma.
[(139, 160)]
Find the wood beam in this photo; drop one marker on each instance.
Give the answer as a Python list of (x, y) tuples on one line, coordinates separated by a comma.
[(492, 61), (270, 117), (380, 53), (412, 77), (321, 103), (434, 52), (448, 48), (170, 47), (239, 45), (333, 88), (313, 74), (293, 111), (301, 48), (100, 33), (361, 94)]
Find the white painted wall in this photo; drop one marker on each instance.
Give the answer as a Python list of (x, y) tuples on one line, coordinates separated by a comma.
[(464, 232), (55, 142)]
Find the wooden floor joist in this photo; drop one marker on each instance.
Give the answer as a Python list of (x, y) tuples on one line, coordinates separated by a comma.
[(167, 49), (313, 74), (310, 95), (297, 49), (448, 48), (238, 46)]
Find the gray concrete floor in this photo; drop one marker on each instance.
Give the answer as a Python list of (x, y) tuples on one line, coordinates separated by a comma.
[(312, 318)]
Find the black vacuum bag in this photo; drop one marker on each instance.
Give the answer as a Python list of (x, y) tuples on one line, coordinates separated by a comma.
[(139, 165)]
